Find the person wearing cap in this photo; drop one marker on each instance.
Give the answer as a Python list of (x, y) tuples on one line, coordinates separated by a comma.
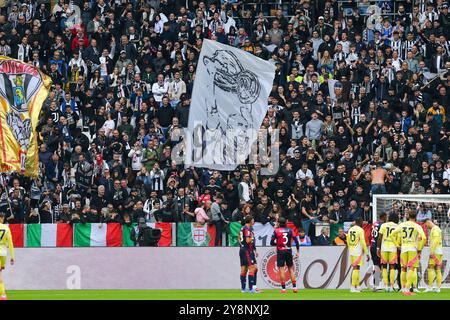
[(323, 28), (123, 61), (444, 19)]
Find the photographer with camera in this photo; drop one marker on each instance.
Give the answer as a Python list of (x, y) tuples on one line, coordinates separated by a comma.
[(144, 236)]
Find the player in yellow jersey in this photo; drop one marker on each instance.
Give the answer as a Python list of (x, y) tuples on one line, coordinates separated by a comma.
[(356, 243), (435, 259), (411, 239), (5, 239), (387, 251)]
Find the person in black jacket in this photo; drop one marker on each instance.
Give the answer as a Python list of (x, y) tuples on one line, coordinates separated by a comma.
[(293, 212), (45, 213), (99, 200), (165, 114), (32, 217), (324, 238), (336, 215), (143, 235)]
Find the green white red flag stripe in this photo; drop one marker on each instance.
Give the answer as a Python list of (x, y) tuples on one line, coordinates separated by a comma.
[(97, 235), (49, 235)]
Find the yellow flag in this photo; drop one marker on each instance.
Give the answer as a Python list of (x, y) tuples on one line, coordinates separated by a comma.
[(23, 90)]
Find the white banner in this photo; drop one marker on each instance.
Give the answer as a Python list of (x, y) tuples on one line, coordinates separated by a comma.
[(229, 102), (263, 233), (79, 268)]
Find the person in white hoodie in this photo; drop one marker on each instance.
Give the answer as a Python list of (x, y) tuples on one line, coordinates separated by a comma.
[(160, 19), (136, 156), (160, 88), (446, 174)]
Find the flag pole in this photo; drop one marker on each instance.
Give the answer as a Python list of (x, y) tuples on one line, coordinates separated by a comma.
[(6, 191)]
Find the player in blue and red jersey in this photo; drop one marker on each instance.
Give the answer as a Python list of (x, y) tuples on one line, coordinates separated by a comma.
[(255, 265), (247, 254), (282, 237), (376, 271)]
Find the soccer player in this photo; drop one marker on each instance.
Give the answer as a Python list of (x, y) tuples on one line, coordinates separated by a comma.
[(376, 271), (255, 276), (282, 237), (411, 240), (387, 251), (435, 259), (247, 254), (356, 243), (5, 239)]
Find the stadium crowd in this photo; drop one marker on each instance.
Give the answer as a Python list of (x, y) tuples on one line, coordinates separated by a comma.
[(123, 74)]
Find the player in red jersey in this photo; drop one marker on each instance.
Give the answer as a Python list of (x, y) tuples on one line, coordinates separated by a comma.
[(247, 254), (282, 237)]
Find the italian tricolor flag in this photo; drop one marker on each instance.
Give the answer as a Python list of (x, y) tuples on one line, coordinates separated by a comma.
[(97, 235), (49, 235), (81, 235), (114, 235)]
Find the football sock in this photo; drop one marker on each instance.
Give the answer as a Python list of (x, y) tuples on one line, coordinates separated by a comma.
[(283, 285), (415, 279), (438, 278), (250, 280), (403, 278), (294, 284), (385, 276), (355, 278), (392, 276), (409, 279), (255, 277), (430, 277), (243, 281)]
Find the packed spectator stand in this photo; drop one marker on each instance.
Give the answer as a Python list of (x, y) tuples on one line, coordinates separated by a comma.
[(123, 74)]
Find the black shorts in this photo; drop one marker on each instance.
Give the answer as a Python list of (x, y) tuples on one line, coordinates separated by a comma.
[(284, 257), (376, 259), (247, 258)]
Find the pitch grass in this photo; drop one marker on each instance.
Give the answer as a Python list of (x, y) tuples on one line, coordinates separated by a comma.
[(217, 295)]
